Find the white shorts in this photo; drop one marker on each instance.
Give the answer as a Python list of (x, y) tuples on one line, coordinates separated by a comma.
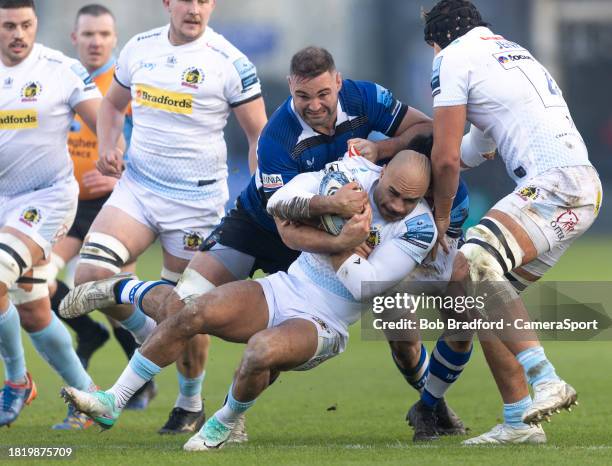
[(44, 215), (432, 276), (286, 298), (555, 208), (182, 225)]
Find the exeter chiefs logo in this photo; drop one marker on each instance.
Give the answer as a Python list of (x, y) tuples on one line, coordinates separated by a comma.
[(31, 91), (192, 240), (528, 192), (30, 216), (192, 77), (373, 239)]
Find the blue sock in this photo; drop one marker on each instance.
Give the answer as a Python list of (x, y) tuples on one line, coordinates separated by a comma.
[(537, 367), (54, 344), (417, 376), (232, 408), (513, 412), (190, 387), (445, 367), (135, 322), (144, 368), (11, 347)]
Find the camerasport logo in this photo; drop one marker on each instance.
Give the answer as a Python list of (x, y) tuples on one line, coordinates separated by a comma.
[(31, 91), (30, 216), (192, 77)]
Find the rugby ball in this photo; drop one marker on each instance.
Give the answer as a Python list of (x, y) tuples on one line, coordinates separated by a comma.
[(332, 182)]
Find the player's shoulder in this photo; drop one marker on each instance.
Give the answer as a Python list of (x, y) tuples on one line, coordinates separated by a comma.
[(146, 38), (418, 227), (283, 127), (220, 45), (52, 58)]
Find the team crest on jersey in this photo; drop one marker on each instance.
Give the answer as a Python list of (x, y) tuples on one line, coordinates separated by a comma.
[(30, 216), (528, 193), (31, 91), (192, 240), (373, 239), (192, 76)]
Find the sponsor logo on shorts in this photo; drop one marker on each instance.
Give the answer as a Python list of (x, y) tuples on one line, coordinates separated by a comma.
[(192, 77), (30, 216), (160, 99), (273, 181), (528, 192), (373, 239), (565, 223), (192, 240), (31, 91), (18, 119)]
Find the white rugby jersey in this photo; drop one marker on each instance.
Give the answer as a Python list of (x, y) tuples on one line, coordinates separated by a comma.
[(512, 98), (181, 98), (37, 98), (393, 243)]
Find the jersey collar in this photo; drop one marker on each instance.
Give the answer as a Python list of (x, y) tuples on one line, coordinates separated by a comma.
[(103, 69)]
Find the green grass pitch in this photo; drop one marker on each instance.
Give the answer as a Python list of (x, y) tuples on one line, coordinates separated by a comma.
[(291, 423)]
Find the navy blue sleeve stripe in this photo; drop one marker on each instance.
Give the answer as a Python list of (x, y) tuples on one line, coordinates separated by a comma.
[(119, 82), (398, 120), (246, 101)]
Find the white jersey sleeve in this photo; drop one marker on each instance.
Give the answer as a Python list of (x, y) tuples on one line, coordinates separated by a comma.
[(242, 84), (450, 78), (79, 84), (390, 262), (303, 186), (122, 68)]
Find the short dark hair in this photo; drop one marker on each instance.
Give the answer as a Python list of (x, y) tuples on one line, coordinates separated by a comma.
[(311, 62), (422, 143), (450, 19), (94, 9), (11, 4)]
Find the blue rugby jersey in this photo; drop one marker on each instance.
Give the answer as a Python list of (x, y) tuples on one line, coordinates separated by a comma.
[(288, 146)]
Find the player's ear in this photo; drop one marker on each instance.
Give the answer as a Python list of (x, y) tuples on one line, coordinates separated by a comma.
[(73, 38), (338, 80)]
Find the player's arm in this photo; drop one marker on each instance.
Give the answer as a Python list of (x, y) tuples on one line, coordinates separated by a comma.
[(88, 111), (308, 238), (110, 128), (297, 200), (476, 149), (445, 160), (390, 262), (413, 124), (252, 118)]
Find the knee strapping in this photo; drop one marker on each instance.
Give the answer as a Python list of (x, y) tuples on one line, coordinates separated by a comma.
[(36, 284), (55, 265), (15, 259), (104, 251), (491, 250), (192, 284)]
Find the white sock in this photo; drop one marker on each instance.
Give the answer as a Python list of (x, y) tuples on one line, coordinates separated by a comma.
[(127, 294), (127, 384), (191, 403), (143, 332)]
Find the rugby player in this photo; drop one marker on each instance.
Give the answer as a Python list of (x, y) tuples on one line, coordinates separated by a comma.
[(322, 117), (182, 79), (41, 91), (296, 320), (94, 38), (500, 88)]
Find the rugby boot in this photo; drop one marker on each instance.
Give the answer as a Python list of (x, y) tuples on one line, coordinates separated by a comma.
[(422, 419), (212, 436), (239, 432), (507, 434), (14, 397), (74, 421), (99, 405), (90, 296), (447, 422), (182, 421), (549, 398)]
